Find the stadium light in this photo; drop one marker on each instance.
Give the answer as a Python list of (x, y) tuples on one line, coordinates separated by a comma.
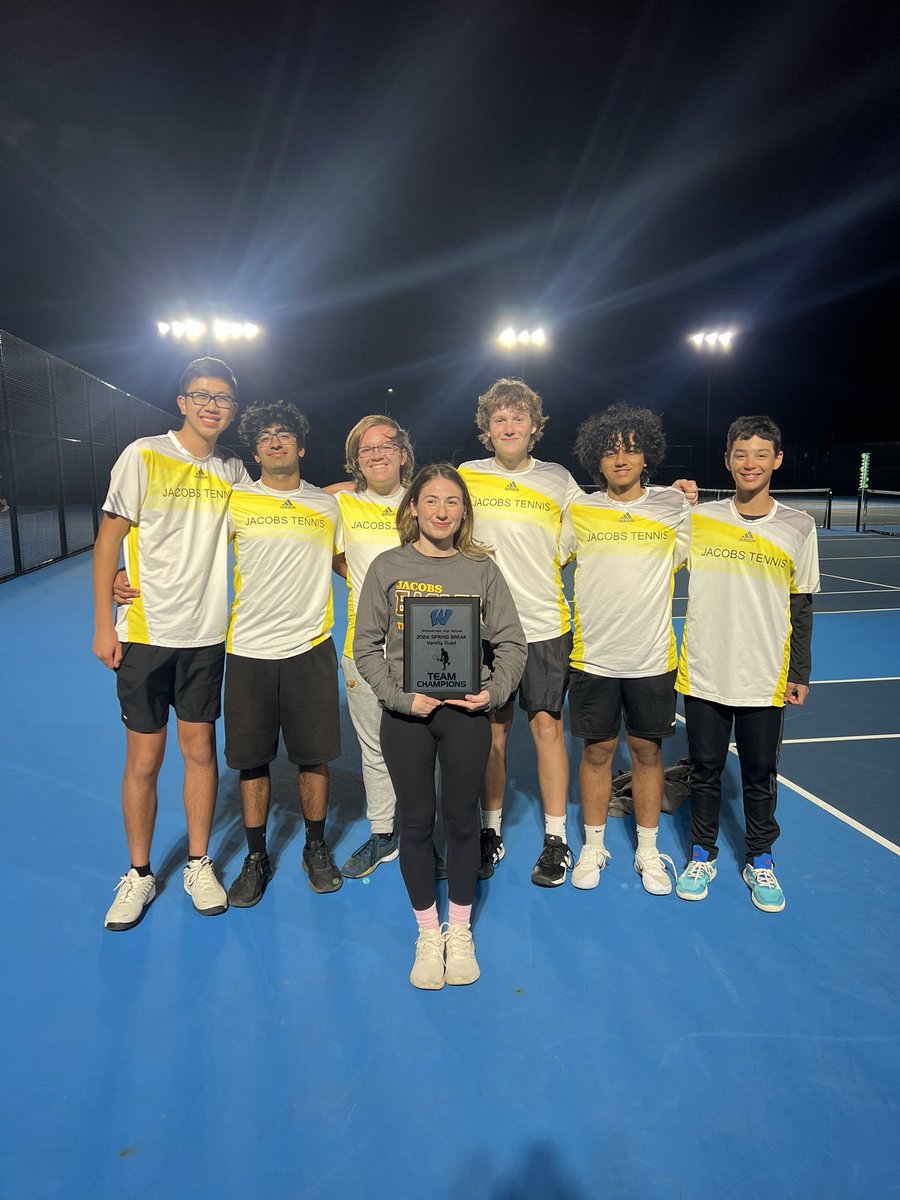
[(511, 338), (711, 341), (222, 330)]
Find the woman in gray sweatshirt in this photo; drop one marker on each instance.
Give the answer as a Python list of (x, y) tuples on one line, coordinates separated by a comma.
[(437, 556)]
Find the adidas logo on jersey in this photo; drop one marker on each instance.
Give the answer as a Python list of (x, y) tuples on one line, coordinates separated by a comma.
[(199, 473), (511, 487), (747, 537), (288, 504), (626, 517), (387, 512)]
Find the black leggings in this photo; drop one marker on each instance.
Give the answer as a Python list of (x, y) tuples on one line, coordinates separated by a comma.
[(757, 733), (461, 742)]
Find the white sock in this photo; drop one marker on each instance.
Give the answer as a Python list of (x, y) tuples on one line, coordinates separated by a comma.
[(555, 826), (491, 818), (646, 838), (593, 835)]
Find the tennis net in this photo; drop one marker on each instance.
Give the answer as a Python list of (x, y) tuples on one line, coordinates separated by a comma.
[(815, 501), (881, 512)]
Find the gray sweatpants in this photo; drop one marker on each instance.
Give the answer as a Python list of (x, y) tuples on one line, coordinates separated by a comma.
[(365, 713)]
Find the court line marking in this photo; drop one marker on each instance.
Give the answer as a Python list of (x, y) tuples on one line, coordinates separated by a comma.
[(836, 812), (872, 679), (849, 579), (848, 737), (836, 612), (856, 557), (826, 807)]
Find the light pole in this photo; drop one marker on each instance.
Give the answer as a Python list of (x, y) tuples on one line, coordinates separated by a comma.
[(711, 342)]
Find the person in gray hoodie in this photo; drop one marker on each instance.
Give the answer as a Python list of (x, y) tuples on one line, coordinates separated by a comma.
[(437, 556)]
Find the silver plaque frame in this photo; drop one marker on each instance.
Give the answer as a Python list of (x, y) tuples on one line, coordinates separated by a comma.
[(442, 646)]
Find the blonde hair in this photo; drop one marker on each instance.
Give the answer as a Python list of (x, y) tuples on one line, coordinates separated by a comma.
[(408, 526), (509, 393), (355, 436)]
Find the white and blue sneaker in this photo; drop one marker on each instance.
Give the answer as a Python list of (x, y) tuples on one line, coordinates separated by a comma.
[(765, 891), (693, 882)]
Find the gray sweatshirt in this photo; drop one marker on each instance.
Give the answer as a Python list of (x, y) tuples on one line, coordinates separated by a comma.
[(378, 638)]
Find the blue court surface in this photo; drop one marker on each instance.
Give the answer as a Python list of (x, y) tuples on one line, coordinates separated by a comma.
[(617, 1045)]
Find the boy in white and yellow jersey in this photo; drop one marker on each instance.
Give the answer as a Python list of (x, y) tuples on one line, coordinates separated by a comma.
[(745, 653), (379, 458), (628, 539), (518, 503), (167, 501), (281, 676)]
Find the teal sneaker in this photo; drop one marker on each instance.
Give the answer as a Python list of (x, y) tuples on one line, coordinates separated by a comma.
[(693, 882), (371, 854), (765, 892)]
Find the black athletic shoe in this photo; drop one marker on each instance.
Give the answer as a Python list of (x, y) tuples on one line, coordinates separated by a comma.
[(556, 858), (491, 852), (249, 886), (320, 868)]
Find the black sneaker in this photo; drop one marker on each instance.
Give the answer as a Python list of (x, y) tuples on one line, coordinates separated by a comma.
[(249, 886), (556, 858), (320, 868), (491, 852)]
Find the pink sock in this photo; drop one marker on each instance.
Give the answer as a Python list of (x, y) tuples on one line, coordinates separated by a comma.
[(460, 914), (427, 918)]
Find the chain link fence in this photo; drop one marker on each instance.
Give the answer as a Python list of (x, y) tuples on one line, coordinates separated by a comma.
[(61, 430)]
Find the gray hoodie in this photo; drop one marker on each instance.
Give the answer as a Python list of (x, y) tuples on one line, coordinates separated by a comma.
[(378, 639)]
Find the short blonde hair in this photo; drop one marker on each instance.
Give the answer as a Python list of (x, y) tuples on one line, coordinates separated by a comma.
[(408, 526), (355, 436), (509, 393)]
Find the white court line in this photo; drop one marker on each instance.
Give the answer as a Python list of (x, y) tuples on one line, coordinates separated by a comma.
[(837, 612), (849, 579), (856, 557), (834, 812), (873, 679), (850, 737)]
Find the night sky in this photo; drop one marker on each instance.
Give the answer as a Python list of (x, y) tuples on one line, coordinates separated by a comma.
[(383, 186)]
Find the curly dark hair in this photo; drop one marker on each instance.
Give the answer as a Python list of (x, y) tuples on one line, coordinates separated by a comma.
[(260, 416), (637, 429)]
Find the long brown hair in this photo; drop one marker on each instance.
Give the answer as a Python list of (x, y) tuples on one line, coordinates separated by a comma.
[(408, 526)]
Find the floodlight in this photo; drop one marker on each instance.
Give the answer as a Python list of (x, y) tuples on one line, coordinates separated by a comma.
[(538, 337), (163, 327), (507, 337)]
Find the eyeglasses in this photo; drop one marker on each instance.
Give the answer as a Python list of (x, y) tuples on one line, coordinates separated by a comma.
[(384, 448), (283, 435), (201, 399)]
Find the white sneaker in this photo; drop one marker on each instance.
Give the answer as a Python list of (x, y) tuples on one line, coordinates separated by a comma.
[(428, 969), (133, 894), (591, 861), (651, 866), (204, 889), (460, 950)]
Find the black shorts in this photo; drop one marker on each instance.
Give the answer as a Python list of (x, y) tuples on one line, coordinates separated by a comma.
[(546, 677), (151, 679), (596, 703), (297, 697)]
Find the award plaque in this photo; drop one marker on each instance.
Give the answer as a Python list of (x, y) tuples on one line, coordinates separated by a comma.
[(442, 646)]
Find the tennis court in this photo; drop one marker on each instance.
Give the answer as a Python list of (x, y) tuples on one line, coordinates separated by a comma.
[(616, 1045)]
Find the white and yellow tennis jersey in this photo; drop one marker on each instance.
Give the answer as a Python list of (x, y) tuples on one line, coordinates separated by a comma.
[(627, 557), (284, 543), (519, 513), (737, 636), (176, 550), (370, 527)]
